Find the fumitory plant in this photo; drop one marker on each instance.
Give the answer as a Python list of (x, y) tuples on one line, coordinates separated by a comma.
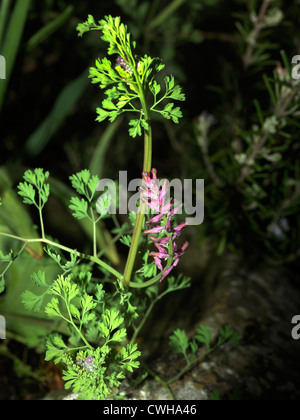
[(98, 311)]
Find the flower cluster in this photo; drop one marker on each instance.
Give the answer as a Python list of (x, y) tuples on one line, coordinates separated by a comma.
[(120, 62), (155, 195), (87, 363)]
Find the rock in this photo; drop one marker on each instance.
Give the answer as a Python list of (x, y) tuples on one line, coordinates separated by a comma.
[(259, 304)]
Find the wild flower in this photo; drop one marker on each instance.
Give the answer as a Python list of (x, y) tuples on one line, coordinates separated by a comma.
[(162, 224), (120, 62), (87, 364)]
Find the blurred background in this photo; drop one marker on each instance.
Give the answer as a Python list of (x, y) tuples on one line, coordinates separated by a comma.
[(239, 132)]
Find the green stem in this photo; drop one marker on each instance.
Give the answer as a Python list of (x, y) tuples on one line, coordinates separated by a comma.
[(158, 379), (94, 259), (152, 281), (75, 327), (146, 168), (42, 223), (142, 323), (10, 262), (94, 234), (189, 365)]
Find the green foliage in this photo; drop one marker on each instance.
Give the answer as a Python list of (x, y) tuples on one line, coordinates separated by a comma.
[(132, 77), (108, 365), (252, 196), (36, 179), (180, 344)]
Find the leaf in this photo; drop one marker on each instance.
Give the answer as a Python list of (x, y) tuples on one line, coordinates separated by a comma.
[(136, 128), (172, 91), (13, 41), (86, 26), (103, 204), (119, 335), (113, 318), (85, 184), (39, 279), (64, 104), (155, 88), (228, 335), (27, 192), (204, 336), (79, 207), (56, 349), (103, 114), (6, 258), (75, 312), (126, 240), (31, 301), (128, 355), (87, 305), (15, 217), (171, 113), (52, 308), (179, 341)]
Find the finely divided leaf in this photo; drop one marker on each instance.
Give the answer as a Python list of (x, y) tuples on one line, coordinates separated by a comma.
[(204, 336)]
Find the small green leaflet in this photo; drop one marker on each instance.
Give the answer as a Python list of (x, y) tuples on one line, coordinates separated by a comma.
[(85, 184), (32, 301), (171, 113), (79, 207), (204, 336), (179, 341), (37, 179), (56, 348)]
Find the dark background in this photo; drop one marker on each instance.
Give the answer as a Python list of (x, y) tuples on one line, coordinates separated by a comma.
[(199, 44)]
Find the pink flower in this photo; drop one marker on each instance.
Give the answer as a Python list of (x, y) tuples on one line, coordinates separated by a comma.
[(155, 196)]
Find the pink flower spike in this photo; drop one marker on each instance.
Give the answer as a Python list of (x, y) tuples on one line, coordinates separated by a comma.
[(166, 273), (160, 248), (154, 173), (153, 205), (159, 254), (161, 241), (154, 230), (163, 192), (175, 210), (166, 208), (155, 219), (158, 263), (184, 246)]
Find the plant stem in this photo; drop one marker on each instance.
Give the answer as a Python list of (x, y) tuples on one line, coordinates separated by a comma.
[(189, 365), (248, 57), (94, 234), (74, 325), (142, 323), (279, 113), (41, 222), (94, 259), (146, 168), (158, 379)]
